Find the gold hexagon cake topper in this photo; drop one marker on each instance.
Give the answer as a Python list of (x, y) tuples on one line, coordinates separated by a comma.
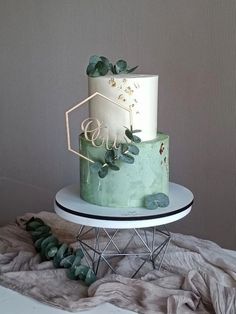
[(68, 131)]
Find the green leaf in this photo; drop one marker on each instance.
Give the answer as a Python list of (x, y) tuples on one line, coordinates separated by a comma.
[(71, 274), (162, 199), (121, 66), (102, 68), (150, 202), (52, 252), (51, 247), (81, 271), (103, 172), (136, 139), (91, 69), (154, 201), (67, 261), (61, 253), (114, 167), (127, 158), (124, 148), (90, 277), (109, 156), (111, 67), (105, 60), (94, 59), (133, 149), (129, 134), (95, 167), (33, 225), (41, 229), (38, 242), (79, 252), (132, 69), (48, 240)]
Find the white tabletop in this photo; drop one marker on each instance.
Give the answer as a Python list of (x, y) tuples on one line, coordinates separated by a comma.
[(13, 302), (71, 207)]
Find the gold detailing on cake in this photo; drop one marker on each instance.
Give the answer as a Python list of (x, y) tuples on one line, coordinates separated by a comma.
[(112, 82), (96, 131), (129, 91)]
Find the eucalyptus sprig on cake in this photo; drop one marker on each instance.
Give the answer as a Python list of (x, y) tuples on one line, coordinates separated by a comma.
[(100, 66), (61, 254), (122, 152)]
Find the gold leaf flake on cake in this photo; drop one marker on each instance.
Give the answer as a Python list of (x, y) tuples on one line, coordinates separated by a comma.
[(136, 85), (136, 101), (121, 96), (129, 91), (112, 82), (161, 150)]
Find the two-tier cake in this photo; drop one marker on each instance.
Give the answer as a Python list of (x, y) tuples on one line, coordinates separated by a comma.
[(127, 159)]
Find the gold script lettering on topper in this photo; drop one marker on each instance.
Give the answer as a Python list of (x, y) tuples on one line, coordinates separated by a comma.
[(96, 132)]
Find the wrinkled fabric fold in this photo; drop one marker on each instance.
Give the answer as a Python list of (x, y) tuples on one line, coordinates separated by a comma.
[(197, 276)]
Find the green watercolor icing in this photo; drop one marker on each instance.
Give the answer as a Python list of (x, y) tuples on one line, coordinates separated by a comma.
[(127, 187)]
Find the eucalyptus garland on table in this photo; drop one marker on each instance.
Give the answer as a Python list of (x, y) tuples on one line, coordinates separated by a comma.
[(61, 254), (123, 153), (100, 66)]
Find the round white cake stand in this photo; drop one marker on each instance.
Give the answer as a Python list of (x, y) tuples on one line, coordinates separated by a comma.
[(108, 222), (71, 207)]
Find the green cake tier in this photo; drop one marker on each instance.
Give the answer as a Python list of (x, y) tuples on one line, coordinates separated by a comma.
[(149, 174)]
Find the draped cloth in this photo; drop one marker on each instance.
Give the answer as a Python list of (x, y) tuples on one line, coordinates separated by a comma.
[(197, 276)]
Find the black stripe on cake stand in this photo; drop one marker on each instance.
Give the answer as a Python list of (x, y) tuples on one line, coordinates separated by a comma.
[(131, 218)]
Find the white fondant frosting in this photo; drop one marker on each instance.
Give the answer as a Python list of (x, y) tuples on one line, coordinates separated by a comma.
[(138, 92)]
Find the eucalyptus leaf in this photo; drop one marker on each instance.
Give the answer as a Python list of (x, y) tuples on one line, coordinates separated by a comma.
[(103, 172), (90, 277), (91, 69), (67, 261), (51, 247), (33, 225), (109, 156), (129, 134), (136, 139), (121, 66), (136, 131), (61, 253), (127, 158), (94, 59), (95, 167), (132, 69), (81, 271), (96, 73), (105, 60), (113, 70), (38, 242), (52, 252), (154, 201), (124, 148), (79, 252), (71, 274), (133, 149), (162, 199), (47, 240), (102, 68), (111, 67), (150, 202), (114, 167)]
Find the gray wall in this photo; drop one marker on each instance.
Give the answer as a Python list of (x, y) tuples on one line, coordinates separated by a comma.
[(45, 47)]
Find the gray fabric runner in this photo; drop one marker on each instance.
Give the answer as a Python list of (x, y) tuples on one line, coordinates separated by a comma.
[(197, 275)]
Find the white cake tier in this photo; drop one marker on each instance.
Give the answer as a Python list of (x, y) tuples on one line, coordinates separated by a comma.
[(136, 92)]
